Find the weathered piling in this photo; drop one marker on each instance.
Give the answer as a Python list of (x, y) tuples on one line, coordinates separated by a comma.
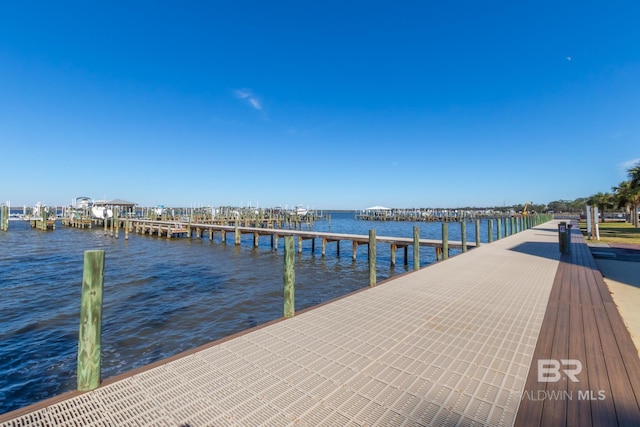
[(477, 233), (416, 248), (372, 258), (445, 240), (116, 220), (490, 230), (289, 277), (89, 341), (499, 227), (4, 218), (463, 235)]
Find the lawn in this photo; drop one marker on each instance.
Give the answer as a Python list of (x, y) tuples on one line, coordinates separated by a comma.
[(615, 232)]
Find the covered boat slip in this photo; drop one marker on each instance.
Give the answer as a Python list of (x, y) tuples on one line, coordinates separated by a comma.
[(456, 343)]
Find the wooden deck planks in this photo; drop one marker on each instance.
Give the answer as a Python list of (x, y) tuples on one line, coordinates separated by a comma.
[(582, 323), (603, 414)]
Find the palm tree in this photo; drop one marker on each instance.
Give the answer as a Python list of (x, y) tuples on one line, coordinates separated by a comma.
[(634, 175), (623, 196), (634, 191), (603, 201)]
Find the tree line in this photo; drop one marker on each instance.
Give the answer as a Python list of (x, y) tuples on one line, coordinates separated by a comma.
[(624, 197)]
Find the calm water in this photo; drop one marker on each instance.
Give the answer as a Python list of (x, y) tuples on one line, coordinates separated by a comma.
[(161, 297)]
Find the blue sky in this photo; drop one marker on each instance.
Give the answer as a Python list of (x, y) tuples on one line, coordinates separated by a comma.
[(333, 104)]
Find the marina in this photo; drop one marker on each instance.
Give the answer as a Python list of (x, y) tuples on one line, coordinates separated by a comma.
[(166, 295), (453, 343), (149, 278)]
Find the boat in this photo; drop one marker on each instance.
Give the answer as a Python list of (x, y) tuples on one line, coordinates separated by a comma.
[(82, 202), (299, 210), (100, 210)]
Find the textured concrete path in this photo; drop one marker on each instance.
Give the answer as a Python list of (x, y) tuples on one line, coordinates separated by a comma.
[(450, 344)]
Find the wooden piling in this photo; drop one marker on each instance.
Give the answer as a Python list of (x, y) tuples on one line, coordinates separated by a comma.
[(89, 341), (116, 219), (477, 233), (416, 248), (372, 258), (289, 277), (499, 227), (463, 235), (445, 240), (490, 230), (4, 214)]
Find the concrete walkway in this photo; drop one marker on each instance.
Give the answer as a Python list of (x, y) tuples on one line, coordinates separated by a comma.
[(450, 344)]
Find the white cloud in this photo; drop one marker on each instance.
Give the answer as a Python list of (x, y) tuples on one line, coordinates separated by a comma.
[(250, 97), (629, 163), (623, 167)]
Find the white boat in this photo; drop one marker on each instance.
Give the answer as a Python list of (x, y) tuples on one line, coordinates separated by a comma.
[(101, 212), (82, 202), (300, 210)]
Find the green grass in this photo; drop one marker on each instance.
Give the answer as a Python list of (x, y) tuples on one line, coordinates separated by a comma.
[(615, 232)]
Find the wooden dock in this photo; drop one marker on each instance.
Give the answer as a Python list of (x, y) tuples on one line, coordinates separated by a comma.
[(176, 229), (171, 228), (456, 343)]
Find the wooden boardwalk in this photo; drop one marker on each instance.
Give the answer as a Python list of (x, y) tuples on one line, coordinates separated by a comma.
[(455, 343), (582, 326)]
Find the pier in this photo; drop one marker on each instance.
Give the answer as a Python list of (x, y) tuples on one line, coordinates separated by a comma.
[(177, 229), (171, 229), (381, 213), (457, 342), (257, 227)]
